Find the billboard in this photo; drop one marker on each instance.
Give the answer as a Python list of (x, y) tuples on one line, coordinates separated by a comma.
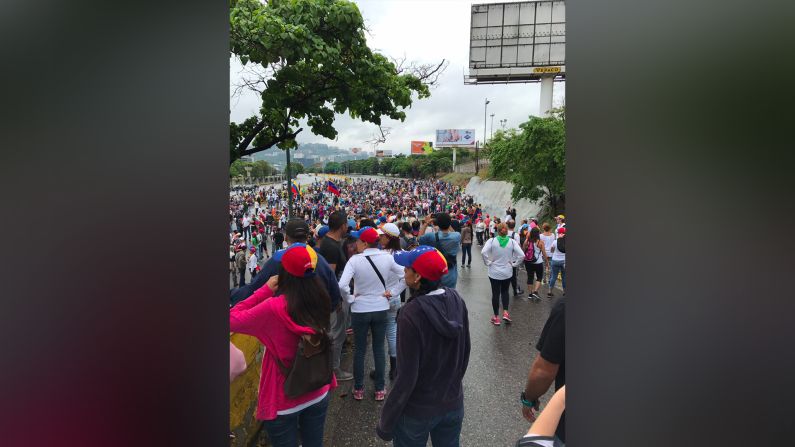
[(517, 42), (455, 137), (383, 153), (421, 147)]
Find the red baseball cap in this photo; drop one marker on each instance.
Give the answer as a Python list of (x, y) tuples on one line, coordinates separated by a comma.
[(425, 260), (366, 234), (299, 260)]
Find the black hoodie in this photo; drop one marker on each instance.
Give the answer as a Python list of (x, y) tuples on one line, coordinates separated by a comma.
[(432, 356)]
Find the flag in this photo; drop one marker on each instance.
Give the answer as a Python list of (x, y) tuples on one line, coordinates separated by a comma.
[(296, 190), (333, 188)]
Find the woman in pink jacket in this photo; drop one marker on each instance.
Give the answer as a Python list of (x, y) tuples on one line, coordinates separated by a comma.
[(301, 306)]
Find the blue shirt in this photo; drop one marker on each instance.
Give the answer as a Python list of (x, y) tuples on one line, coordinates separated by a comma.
[(449, 242), (271, 268)]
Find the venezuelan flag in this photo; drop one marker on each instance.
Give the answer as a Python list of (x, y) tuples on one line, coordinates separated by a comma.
[(296, 190), (333, 188)]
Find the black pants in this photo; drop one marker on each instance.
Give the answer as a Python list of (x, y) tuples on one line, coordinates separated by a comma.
[(466, 250), (513, 280), (499, 288), (242, 276), (480, 237)]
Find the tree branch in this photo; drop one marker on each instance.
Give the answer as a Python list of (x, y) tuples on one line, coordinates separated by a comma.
[(271, 143)]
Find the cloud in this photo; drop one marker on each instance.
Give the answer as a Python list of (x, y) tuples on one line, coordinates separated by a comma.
[(426, 32)]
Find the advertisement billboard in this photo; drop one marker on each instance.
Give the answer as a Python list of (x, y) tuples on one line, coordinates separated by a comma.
[(421, 147), (455, 137), (383, 153), (517, 41)]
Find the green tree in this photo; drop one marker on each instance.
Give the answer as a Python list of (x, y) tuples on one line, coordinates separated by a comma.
[(261, 168), (333, 167), (309, 60), (540, 144), (296, 168)]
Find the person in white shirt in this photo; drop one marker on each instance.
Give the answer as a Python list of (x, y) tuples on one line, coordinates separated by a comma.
[(548, 238), (480, 228), (501, 254), (252, 262), (558, 262), (246, 227), (390, 242), (492, 226), (370, 304)]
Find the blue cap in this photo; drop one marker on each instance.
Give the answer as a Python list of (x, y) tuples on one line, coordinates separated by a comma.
[(351, 223), (382, 219), (322, 231)]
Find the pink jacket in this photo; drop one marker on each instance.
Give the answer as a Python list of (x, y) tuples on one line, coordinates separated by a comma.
[(268, 320)]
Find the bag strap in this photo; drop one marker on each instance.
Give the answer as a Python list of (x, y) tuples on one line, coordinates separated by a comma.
[(376, 271)]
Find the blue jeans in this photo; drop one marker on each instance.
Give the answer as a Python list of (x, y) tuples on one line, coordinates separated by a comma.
[(363, 322), (445, 430), (391, 332), (558, 266), (283, 431), (451, 278)]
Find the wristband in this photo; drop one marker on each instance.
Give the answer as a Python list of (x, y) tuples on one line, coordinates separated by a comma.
[(527, 403)]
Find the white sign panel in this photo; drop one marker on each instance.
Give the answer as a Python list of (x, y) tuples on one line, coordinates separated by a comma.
[(455, 137)]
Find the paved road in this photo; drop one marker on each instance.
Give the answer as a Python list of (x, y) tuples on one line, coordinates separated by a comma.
[(499, 361)]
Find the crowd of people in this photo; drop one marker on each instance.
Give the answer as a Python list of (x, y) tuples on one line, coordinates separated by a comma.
[(378, 259)]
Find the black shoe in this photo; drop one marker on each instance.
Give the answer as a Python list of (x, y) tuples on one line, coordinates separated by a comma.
[(549, 294)]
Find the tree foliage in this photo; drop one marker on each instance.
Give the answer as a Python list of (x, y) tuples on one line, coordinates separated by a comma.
[(309, 60), (533, 158), (259, 169)]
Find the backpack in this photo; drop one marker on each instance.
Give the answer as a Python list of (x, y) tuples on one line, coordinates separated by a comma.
[(562, 245), (312, 367), (530, 253), (411, 243)]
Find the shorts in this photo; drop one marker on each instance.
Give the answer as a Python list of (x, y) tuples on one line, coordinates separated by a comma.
[(532, 268)]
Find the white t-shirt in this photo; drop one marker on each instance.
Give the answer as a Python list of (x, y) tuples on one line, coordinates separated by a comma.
[(557, 255), (548, 240), (368, 291), (252, 263)]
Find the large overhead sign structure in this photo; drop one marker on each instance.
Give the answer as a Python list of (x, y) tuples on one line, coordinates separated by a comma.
[(517, 42), (455, 137), (421, 147)]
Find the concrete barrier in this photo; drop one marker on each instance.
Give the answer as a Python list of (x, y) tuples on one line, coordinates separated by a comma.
[(243, 392), (495, 197)]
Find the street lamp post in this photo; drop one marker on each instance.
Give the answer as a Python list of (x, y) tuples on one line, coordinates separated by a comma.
[(491, 134), (477, 153), (502, 123)]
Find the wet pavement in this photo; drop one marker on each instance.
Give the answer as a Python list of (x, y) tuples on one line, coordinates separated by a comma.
[(499, 362)]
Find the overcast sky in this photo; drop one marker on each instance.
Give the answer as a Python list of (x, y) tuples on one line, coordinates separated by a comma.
[(424, 31)]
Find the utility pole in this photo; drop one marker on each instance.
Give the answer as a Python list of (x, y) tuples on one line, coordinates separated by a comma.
[(485, 108), (289, 186)]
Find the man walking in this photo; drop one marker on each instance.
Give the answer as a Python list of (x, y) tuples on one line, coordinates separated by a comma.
[(446, 241)]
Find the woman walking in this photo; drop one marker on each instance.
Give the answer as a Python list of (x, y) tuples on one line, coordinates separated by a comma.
[(389, 238), (466, 244), (292, 305), (427, 397), (558, 261), (372, 270), (548, 238), (534, 255), (501, 254)]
